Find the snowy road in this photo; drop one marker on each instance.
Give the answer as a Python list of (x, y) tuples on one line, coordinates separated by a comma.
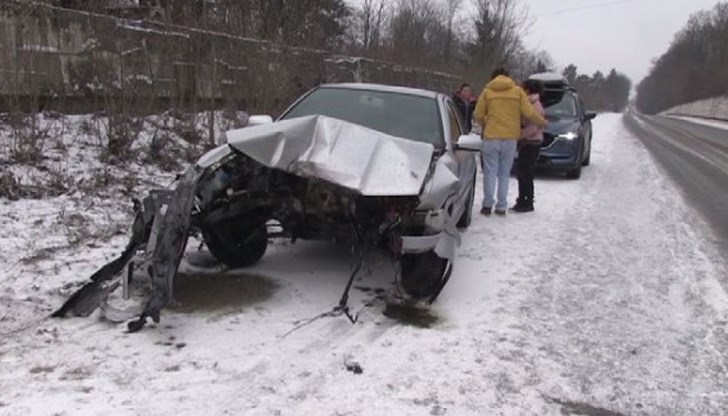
[(604, 302), (695, 153)]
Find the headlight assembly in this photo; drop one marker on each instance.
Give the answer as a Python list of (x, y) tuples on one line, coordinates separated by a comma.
[(568, 136)]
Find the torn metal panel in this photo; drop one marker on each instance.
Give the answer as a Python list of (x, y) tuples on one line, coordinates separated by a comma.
[(174, 218), (443, 244), (346, 154), (443, 184), (167, 212), (214, 156), (104, 281)]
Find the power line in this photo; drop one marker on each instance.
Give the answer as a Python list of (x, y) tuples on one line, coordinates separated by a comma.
[(592, 6)]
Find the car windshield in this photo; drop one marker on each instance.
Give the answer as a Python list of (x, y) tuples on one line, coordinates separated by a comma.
[(402, 115), (559, 104)]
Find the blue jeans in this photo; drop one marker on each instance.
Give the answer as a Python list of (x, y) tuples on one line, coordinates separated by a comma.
[(497, 156)]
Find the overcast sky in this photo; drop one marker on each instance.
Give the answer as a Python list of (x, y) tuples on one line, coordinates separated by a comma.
[(625, 34)]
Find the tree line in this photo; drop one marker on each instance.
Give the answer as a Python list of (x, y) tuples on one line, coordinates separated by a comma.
[(464, 37), (601, 92), (468, 38), (693, 68)]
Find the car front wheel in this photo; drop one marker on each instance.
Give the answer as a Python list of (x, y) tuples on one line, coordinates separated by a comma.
[(236, 245), (467, 218), (424, 275)]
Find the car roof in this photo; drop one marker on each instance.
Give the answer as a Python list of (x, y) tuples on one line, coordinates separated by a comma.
[(553, 82), (384, 88), (549, 77)]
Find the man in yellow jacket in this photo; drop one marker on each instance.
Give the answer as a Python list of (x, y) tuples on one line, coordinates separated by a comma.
[(499, 110)]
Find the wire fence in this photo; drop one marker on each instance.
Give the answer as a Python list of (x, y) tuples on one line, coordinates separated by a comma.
[(71, 61)]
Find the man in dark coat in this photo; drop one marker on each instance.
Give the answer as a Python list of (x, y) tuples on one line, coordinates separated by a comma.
[(465, 102)]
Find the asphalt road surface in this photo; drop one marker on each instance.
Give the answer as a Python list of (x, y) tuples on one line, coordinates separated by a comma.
[(696, 157)]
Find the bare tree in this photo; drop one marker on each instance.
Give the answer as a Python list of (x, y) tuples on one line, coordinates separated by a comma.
[(372, 15), (498, 24), (452, 8), (413, 27)]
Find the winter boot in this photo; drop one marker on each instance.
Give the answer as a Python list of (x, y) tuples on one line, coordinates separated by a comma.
[(520, 204), (525, 206)]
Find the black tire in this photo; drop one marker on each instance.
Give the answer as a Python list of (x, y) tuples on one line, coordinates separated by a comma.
[(587, 159), (574, 174), (424, 275), (467, 218), (236, 246)]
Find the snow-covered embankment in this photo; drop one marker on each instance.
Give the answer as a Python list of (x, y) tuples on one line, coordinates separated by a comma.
[(712, 108)]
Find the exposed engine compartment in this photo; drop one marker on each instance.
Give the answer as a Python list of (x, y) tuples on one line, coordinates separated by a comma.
[(236, 198), (306, 208)]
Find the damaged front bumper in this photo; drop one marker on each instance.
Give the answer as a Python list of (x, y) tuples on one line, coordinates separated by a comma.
[(159, 238)]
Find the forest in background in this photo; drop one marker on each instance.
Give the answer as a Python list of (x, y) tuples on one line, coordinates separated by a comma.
[(466, 38), (601, 92), (693, 68)]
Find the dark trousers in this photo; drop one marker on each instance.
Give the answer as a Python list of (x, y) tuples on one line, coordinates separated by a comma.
[(527, 157)]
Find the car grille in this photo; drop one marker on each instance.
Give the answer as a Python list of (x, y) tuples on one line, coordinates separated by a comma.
[(548, 140)]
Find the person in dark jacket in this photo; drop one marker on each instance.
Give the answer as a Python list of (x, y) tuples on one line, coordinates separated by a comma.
[(529, 146), (465, 102)]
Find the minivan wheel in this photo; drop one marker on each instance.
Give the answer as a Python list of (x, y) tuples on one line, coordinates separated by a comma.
[(587, 159), (424, 275), (236, 245), (574, 174)]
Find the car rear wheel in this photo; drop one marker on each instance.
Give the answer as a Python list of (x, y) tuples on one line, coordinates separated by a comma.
[(236, 245), (424, 275)]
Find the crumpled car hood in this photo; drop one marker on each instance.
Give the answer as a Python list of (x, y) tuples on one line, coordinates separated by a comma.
[(346, 154)]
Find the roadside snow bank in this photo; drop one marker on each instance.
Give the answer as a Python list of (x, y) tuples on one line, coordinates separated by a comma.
[(714, 108), (723, 125)]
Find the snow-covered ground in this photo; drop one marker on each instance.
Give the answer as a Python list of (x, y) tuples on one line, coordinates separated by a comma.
[(723, 125), (606, 301)]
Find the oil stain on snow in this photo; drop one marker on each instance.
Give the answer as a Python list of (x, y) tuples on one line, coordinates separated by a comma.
[(221, 293), (411, 315), (582, 409)]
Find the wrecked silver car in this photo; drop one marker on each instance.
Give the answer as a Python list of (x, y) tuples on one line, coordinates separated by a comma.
[(371, 166)]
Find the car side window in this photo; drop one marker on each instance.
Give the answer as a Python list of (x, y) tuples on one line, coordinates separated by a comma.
[(455, 123)]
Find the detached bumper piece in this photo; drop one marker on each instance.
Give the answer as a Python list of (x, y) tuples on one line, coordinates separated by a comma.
[(160, 231)]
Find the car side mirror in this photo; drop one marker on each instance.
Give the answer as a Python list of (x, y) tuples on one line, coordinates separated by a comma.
[(469, 143), (590, 115), (259, 120)]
